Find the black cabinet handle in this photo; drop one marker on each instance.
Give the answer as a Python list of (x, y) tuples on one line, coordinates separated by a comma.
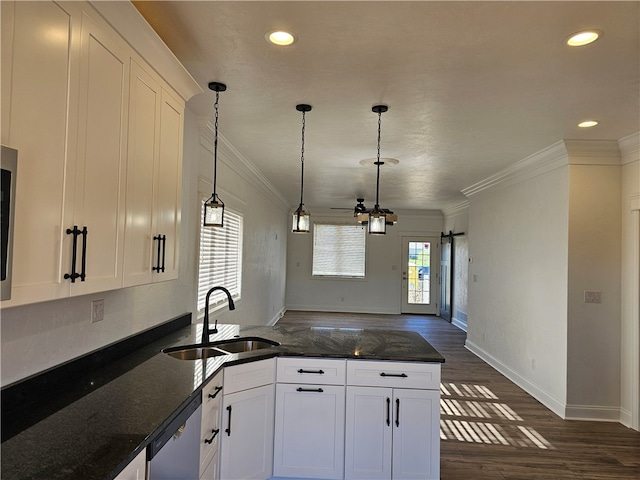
[(228, 429), (388, 411), (215, 394), (164, 247), (84, 234), (157, 267), (210, 440), (73, 275), (400, 375), (319, 372), (318, 390), (397, 412)]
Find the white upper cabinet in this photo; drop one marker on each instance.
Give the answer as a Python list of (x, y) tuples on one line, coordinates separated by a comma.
[(38, 63), (154, 174), (69, 84), (100, 160)]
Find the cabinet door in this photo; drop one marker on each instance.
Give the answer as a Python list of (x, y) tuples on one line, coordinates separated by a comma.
[(136, 470), (247, 437), (309, 431), (368, 435), (416, 434), (144, 130), (39, 76), (101, 158), (166, 215)]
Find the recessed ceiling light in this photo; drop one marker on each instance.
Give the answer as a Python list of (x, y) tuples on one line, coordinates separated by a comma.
[(584, 37), (280, 37), (588, 123)]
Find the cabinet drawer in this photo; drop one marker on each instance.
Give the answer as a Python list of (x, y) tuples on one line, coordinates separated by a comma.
[(319, 371), (393, 374), (210, 431), (249, 375)]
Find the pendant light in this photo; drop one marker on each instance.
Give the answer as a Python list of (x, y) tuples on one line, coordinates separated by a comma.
[(377, 217), (214, 207), (301, 219)]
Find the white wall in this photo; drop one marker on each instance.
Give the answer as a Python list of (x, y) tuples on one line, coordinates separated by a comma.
[(265, 214), (380, 291), (517, 319), (594, 264), (630, 317)]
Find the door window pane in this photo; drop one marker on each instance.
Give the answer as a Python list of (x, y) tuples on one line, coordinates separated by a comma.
[(419, 273)]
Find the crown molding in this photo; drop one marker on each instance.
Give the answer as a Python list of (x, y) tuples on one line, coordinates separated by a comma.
[(593, 152), (238, 163), (630, 148), (546, 160), (457, 209)]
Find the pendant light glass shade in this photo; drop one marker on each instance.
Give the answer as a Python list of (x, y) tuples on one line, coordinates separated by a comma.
[(214, 212), (214, 207), (377, 222), (301, 222)]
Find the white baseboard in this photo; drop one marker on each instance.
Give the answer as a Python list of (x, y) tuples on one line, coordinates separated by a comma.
[(462, 325), (340, 309), (593, 413), (277, 317), (536, 392)]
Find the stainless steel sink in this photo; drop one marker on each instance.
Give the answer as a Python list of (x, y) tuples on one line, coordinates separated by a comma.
[(241, 345), (215, 349), (193, 353)]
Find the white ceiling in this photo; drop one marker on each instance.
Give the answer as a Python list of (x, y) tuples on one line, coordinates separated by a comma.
[(472, 87)]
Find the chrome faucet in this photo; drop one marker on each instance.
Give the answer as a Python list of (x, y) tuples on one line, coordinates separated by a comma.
[(206, 331)]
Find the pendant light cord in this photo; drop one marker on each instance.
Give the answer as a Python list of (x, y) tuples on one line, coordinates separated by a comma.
[(302, 159), (378, 161), (215, 144)]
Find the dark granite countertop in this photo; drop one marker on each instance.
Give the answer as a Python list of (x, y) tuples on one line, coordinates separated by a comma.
[(118, 409)]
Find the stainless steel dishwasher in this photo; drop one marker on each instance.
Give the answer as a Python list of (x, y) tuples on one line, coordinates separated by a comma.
[(175, 453)]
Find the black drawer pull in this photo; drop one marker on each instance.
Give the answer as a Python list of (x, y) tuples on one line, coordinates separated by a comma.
[(388, 411), (228, 429), (73, 275), (319, 372), (84, 234), (215, 394), (400, 375), (318, 390), (397, 412), (210, 440)]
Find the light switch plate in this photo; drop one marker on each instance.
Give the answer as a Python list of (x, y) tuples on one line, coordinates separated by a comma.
[(592, 296)]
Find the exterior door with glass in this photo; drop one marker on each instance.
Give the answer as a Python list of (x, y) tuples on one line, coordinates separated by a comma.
[(420, 270)]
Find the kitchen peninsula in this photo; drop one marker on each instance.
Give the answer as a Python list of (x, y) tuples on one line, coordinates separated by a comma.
[(118, 410)]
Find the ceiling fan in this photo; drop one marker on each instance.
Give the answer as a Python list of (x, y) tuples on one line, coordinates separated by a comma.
[(359, 208)]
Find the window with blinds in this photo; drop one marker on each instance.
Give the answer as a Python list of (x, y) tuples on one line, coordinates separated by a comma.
[(220, 262), (338, 250)]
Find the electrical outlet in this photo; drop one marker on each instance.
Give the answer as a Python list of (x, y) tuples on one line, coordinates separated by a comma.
[(592, 296), (97, 311)]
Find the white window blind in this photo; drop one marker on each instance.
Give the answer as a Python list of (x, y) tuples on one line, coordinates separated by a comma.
[(220, 261), (338, 250)]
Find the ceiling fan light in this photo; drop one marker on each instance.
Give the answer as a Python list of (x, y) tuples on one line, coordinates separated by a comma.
[(362, 218), (377, 223)]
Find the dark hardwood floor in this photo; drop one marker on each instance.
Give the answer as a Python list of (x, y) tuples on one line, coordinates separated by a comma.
[(492, 429)]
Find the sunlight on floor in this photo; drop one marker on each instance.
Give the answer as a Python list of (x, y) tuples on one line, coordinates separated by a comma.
[(459, 418)]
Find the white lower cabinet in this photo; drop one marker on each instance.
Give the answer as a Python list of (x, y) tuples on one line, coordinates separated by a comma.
[(309, 431), (392, 432), (136, 470), (246, 444)]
